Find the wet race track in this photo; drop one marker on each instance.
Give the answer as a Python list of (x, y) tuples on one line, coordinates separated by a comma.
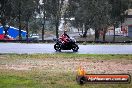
[(22, 48)]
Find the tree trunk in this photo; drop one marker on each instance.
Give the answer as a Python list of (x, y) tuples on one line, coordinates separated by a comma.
[(57, 3), (43, 32), (43, 22), (43, 27), (85, 31), (96, 35), (114, 34), (57, 27), (104, 35), (85, 34), (27, 32), (20, 21), (82, 27)]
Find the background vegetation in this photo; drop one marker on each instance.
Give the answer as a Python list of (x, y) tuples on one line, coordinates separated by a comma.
[(33, 16)]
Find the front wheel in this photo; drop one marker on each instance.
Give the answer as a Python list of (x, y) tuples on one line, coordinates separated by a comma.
[(57, 47), (75, 48)]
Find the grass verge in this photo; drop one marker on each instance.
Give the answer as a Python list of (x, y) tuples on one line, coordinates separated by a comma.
[(35, 79), (43, 79), (67, 56)]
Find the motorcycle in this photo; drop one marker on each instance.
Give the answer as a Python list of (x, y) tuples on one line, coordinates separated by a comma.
[(71, 45)]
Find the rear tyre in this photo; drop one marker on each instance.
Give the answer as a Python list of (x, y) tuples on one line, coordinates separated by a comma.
[(75, 48), (57, 47)]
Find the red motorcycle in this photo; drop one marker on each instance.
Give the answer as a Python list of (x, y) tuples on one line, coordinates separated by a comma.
[(70, 45)]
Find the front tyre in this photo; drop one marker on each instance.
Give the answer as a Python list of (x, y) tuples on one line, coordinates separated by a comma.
[(75, 48), (57, 47)]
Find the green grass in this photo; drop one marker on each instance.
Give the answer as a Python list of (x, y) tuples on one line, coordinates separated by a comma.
[(43, 79), (16, 81), (67, 56)]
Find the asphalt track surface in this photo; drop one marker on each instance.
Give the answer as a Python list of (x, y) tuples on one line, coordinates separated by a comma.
[(23, 48)]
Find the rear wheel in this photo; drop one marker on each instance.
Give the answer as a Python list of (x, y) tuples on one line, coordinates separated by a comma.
[(75, 48), (57, 47)]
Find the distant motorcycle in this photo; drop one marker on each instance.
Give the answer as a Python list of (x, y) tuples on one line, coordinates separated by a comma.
[(71, 45)]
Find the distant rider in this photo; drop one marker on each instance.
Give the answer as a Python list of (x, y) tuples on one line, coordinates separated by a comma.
[(64, 37)]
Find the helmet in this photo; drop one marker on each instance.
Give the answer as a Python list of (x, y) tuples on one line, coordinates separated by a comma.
[(65, 31)]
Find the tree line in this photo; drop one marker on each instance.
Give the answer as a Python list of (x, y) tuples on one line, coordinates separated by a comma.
[(98, 14), (95, 14)]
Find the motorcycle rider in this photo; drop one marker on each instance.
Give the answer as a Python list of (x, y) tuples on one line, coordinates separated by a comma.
[(64, 37)]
